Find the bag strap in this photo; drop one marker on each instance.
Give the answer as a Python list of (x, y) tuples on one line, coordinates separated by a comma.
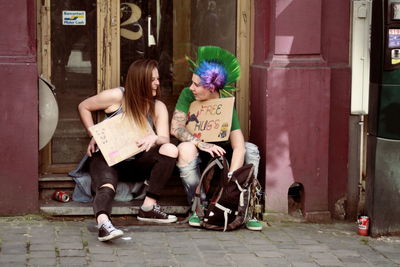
[(223, 164)]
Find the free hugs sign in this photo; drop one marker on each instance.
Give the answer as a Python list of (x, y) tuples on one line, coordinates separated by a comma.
[(211, 120)]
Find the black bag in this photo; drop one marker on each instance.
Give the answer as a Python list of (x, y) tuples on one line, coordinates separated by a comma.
[(227, 199)]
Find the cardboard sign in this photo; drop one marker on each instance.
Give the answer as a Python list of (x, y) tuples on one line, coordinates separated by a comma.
[(116, 138), (211, 120)]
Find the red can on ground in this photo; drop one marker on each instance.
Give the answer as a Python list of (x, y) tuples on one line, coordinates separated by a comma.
[(60, 196), (363, 225)]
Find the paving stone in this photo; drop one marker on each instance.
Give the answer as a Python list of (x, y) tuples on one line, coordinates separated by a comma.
[(159, 262), (323, 255), (127, 252), (72, 261), (227, 236), (209, 247), (269, 254), (275, 262), (14, 248), (131, 259), (217, 261), (181, 251), (245, 259), (42, 254), (201, 234), (42, 247), (306, 242), (104, 258), (103, 264), (70, 239), (12, 258), (189, 258), (159, 254), (75, 245), (304, 264), (43, 261), (12, 264), (179, 244), (278, 236), (72, 253), (289, 245), (15, 238), (383, 263), (191, 264), (101, 250), (315, 248), (328, 262), (239, 250), (132, 265), (346, 253)]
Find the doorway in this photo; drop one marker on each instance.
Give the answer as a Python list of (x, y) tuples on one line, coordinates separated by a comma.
[(87, 46)]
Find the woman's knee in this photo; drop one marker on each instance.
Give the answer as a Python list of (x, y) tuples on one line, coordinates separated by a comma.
[(169, 150), (108, 185), (187, 152)]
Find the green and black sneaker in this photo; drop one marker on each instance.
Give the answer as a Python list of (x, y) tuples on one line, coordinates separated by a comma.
[(194, 220), (254, 225)]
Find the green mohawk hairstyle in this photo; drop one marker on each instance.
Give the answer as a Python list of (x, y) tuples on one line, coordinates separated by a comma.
[(217, 68)]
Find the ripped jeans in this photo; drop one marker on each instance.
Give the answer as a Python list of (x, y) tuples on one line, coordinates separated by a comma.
[(190, 173)]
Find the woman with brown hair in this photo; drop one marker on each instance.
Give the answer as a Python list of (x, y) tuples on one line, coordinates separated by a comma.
[(138, 100)]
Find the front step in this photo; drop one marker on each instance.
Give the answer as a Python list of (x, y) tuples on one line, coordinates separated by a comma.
[(72, 208), (173, 199)]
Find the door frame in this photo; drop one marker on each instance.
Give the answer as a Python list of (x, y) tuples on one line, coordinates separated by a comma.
[(244, 52), (108, 69), (108, 32)]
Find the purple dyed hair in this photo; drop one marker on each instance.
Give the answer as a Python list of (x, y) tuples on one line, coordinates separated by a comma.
[(212, 75)]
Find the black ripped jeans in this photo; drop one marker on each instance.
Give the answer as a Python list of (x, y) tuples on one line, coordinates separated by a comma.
[(150, 165)]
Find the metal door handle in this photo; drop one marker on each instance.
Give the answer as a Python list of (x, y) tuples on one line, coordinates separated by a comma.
[(150, 38)]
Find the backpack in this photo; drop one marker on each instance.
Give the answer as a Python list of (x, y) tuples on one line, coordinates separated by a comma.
[(222, 202)]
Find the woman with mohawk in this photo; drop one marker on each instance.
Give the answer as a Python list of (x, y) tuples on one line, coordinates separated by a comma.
[(214, 72)]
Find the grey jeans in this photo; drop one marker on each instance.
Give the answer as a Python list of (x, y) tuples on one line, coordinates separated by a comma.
[(190, 173)]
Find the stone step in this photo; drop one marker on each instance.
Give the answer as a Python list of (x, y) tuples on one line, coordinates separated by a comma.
[(173, 199), (48, 184), (55, 208)]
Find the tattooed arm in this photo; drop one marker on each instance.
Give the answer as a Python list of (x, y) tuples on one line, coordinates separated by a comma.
[(178, 129)]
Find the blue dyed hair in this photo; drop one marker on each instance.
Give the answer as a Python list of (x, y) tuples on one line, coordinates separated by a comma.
[(212, 75)]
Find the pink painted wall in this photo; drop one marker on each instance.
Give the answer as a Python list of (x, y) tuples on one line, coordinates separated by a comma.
[(300, 80), (298, 27), (18, 109), (335, 48), (297, 133)]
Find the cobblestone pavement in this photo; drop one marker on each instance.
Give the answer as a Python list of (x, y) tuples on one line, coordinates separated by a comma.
[(37, 241)]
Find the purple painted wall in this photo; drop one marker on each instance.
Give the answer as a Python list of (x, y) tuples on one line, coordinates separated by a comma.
[(300, 79), (18, 109)]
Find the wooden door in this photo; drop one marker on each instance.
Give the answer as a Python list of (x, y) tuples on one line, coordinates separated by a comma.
[(83, 59)]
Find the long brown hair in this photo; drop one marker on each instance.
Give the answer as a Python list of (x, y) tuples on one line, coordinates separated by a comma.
[(139, 100)]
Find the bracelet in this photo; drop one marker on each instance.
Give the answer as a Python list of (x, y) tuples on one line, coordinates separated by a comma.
[(197, 144)]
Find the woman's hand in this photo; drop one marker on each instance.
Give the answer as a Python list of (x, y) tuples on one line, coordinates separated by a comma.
[(147, 142), (214, 150), (91, 147)]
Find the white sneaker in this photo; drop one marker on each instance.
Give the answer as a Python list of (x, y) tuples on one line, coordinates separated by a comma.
[(107, 232)]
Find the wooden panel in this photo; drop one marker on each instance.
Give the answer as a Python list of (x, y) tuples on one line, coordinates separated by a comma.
[(108, 38), (243, 53), (44, 65)]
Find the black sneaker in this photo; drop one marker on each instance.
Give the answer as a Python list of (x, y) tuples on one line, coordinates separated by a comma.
[(107, 231), (156, 215)]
